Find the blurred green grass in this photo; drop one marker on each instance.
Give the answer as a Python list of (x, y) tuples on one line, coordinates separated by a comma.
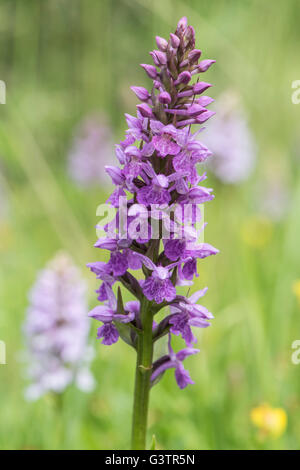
[(62, 60)]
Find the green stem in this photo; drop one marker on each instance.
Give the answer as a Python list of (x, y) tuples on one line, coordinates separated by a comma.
[(142, 379)]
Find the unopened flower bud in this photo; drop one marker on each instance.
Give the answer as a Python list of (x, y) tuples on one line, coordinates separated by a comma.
[(200, 87), (190, 37), (205, 116), (196, 109), (205, 64), (194, 55), (145, 110), (159, 58), (175, 41), (181, 26), (164, 98), (183, 77), (141, 92), (162, 44), (204, 100), (150, 70)]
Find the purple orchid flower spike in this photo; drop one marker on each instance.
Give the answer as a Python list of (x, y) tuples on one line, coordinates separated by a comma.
[(156, 227)]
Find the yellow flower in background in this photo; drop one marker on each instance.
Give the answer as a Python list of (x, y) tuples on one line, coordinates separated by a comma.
[(256, 231), (296, 289), (271, 421)]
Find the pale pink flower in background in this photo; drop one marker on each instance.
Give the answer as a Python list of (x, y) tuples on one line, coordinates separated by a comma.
[(273, 190), (91, 150), (231, 141), (56, 330)]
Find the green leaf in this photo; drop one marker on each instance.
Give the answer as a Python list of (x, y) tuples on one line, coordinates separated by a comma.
[(120, 304), (124, 332), (153, 443)]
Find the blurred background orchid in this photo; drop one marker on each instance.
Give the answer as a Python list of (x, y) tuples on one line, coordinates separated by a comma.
[(92, 149), (56, 331), (231, 141)]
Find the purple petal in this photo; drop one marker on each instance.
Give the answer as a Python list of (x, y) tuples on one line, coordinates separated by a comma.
[(109, 333), (182, 377)]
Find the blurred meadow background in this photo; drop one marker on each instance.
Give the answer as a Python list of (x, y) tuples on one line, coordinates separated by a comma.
[(68, 66)]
